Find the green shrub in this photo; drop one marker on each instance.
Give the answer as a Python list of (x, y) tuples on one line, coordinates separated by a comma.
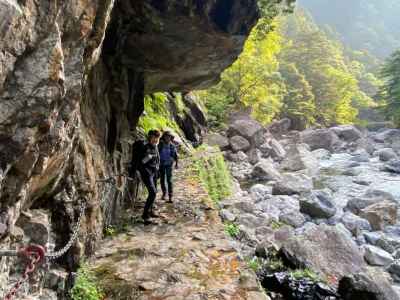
[(232, 230), (157, 115), (214, 175), (85, 287), (306, 273), (255, 264)]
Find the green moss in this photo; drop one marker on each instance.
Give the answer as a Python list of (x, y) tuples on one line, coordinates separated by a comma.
[(214, 174), (306, 273), (255, 264), (113, 286), (231, 229), (86, 287), (157, 115)]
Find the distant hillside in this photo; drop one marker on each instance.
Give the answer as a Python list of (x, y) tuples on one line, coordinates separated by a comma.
[(371, 25)]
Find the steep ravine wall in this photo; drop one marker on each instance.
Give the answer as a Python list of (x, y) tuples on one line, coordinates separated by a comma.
[(72, 79)]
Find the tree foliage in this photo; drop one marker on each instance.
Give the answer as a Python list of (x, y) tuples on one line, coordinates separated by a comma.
[(296, 71), (390, 91)]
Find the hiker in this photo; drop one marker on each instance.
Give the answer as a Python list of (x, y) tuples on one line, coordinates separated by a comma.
[(168, 155), (146, 160)]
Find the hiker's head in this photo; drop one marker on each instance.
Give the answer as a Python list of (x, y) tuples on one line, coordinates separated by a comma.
[(167, 137), (153, 136)]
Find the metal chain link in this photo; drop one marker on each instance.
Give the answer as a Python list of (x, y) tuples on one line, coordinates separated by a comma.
[(61, 252), (34, 259)]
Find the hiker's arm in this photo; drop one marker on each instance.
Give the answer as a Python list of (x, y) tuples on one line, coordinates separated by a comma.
[(176, 158)]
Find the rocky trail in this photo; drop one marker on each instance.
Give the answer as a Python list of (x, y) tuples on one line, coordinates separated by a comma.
[(186, 255)]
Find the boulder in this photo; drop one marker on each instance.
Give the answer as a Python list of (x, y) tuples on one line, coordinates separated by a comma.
[(298, 157), (349, 133), (321, 154), (36, 226), (293, 183), (371, 285), (380, 214), (294, 218), (376, 256), (394, 271), (354, 223), (393, 166), (260, 191), (239, 143), (218, 140), (227, 216), (278, 128), (386, 154), (387, 243), (254, 156), (277, 152), (390, 136), (265, 170), (319, 139), (370, 197), (318, 204), (325, 249), (360, 156), (248, 129)]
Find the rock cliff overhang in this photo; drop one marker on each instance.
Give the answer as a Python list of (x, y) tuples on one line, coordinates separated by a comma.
[(179, 45)]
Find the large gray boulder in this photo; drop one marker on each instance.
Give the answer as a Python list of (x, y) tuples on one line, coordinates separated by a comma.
[(249, 129), (376, 256), (318, 204), (265, 170), (349, 133), (394, 271), (278, 128), (239, 143), (354, 223), (393, 166), (298, 157), (319, 139), (380, 214), (370, 197), (293, 183), (386, 154), (216, 139), (325, 249), (370, 285), (277, 152)]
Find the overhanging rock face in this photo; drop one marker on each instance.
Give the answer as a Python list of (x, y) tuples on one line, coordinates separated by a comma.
[(72, 79), (180, 45)]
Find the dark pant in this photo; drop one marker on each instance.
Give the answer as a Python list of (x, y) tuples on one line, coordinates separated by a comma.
[(149, 179), (166, 173)]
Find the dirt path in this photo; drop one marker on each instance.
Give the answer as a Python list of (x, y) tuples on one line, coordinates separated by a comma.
[(185, 256)]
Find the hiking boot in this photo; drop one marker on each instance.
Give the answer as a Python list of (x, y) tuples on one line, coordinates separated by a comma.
[(153, 215), (163, 197), (147, 222), (170, 199)]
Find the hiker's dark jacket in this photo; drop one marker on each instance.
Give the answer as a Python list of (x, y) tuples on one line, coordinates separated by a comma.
[(149, 159), (168, 154)]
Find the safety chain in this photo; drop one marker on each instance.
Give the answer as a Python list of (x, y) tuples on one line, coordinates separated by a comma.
[(34, 254), (61, 252)]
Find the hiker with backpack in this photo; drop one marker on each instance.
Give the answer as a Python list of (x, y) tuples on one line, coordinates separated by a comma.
[(146, 160), (168, 155)]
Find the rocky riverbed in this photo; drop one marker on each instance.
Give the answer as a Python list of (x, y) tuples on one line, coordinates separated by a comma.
[(324, 200)]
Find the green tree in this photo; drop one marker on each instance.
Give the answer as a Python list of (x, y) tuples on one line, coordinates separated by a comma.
[(253, 81), (298, 102), (390, 91)]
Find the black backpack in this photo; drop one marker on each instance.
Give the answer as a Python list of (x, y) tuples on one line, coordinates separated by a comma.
[(137, 155)]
